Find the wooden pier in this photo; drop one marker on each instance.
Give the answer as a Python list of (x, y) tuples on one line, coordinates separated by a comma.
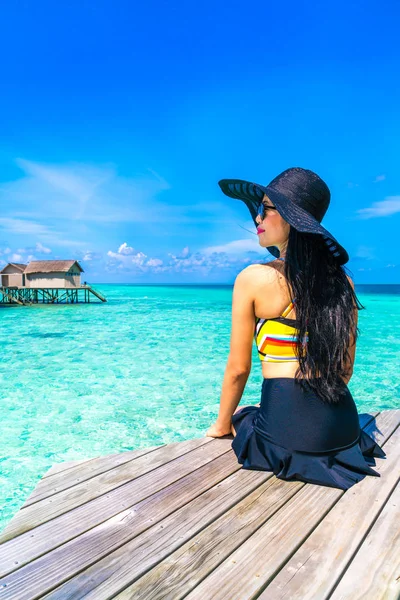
[(184, 520), (26, 296)]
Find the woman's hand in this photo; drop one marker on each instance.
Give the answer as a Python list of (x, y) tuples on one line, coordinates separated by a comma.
[(218, 430)]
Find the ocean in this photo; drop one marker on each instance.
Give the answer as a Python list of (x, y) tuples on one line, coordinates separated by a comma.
[(143, 369)]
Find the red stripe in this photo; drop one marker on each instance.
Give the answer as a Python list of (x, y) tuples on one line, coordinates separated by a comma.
[(275, 342)]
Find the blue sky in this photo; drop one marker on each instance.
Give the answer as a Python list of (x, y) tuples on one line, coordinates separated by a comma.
[(118, 120)]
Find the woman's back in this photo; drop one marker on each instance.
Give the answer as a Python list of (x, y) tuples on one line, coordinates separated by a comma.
[(271, 299)]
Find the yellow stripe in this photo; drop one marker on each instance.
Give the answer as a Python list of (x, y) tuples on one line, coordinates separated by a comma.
[(287, 310)]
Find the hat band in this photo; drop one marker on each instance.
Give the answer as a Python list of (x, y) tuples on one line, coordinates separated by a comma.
[(331, 245)]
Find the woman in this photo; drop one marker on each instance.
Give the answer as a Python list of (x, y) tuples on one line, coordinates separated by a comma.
[(302, 311)]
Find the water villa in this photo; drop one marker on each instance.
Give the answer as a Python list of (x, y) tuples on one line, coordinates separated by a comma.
[(45, 282), (184, 520)]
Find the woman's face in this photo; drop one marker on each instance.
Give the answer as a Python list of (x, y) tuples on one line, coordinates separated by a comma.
[(275, 228)]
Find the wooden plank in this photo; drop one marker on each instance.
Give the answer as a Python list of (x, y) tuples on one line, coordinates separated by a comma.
[(237, 506), (374, 573), (144, 514), (185, 568), (64, 466), (84, 470), (52, 569), (55, 531), (97, 294), (66, 500), (117, 504), (243, 573), (315, 568), (278, 539)]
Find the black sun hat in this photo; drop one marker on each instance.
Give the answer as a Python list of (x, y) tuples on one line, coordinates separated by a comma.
[(301, 198)]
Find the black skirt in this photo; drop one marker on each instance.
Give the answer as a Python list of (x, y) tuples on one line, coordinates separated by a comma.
[(298, 436)]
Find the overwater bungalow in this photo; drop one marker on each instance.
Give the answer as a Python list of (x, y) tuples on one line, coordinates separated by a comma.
[(53, 273), (45, 282), (13, 275)]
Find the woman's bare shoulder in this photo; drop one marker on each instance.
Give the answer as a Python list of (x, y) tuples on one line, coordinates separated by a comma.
[(266, 269), (269, 267), (263, 272)]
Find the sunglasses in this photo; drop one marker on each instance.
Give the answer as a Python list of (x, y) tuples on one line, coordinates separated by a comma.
[(263, 208)]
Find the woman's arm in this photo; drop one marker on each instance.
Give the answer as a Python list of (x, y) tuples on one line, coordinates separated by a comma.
[(240, 353), (349, 365)]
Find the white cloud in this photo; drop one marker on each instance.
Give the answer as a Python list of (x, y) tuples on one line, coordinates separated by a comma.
[(23, 255), (16, 226), (184, 254), (125, 249), (364, 252), (90, 256), (15, 258), (75, 195), (203, 262), (237, 247), (83, 192), (154, 262), (138, 259), (389, 206), (126, 258), (42, 249), (21, 226)]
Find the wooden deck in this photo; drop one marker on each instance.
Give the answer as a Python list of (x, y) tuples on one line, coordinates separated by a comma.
[(184, 520), (26, 296)]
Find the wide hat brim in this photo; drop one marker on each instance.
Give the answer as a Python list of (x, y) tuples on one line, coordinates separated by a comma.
[(253, 193)]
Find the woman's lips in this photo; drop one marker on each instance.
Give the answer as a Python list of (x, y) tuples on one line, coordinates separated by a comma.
[(260, 231)]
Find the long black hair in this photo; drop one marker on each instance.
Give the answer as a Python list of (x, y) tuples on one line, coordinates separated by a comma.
[(325, 304)]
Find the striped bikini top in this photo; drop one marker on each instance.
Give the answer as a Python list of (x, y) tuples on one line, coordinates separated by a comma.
[(277, 338)]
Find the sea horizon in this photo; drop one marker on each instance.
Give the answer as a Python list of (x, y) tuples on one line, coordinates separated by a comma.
[(208, 285)]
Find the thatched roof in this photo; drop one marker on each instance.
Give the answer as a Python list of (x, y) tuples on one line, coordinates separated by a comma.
[(20, 266), (51, 266)]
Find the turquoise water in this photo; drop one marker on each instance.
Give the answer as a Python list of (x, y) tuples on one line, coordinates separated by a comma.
[(144, 369)]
